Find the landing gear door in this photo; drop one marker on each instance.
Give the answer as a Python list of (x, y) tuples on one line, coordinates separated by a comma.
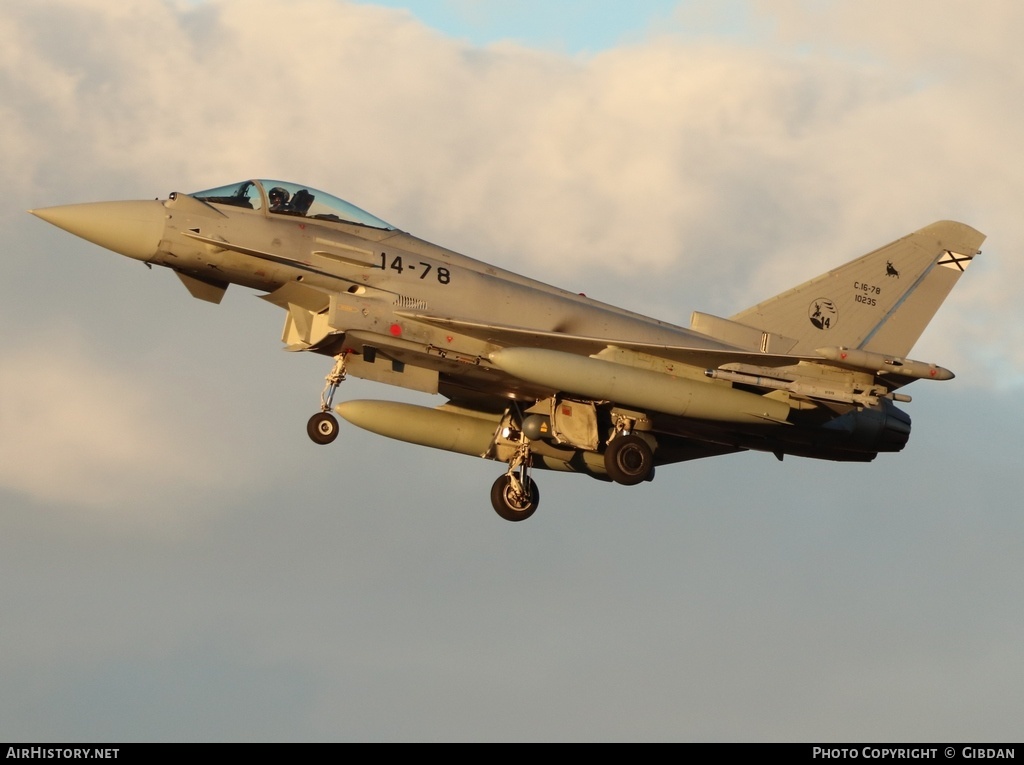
[(575, 423)]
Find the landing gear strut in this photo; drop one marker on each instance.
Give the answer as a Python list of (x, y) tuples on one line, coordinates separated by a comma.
[(515, 495), (323, 426)]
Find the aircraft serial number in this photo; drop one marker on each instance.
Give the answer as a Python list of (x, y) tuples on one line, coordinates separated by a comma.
[(869, 289), (444, 276), (864, 299)]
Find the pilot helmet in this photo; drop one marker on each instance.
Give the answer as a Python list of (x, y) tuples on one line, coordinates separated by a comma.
[(278, 196)]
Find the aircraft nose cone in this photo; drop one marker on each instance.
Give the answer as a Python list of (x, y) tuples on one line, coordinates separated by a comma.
[(129, 228)]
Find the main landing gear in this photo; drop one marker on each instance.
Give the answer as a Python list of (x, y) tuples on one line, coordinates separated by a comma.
[(515, 495), (323, 426), (629, 460)]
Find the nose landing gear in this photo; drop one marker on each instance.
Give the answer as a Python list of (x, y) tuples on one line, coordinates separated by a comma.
[(323, 426)]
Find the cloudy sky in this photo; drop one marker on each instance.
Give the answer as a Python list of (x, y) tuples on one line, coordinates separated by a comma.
[(179, 562)]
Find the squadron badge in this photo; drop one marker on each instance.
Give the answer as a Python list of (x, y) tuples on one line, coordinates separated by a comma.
[(822, 313)]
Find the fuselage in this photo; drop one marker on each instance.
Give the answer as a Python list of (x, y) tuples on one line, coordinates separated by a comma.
[(350, 280), (385, 271)]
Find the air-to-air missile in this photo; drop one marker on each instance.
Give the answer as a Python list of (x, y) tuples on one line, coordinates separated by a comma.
[(882, 364)]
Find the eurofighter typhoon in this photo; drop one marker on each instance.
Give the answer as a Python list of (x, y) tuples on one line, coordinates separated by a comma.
[(538, 377)]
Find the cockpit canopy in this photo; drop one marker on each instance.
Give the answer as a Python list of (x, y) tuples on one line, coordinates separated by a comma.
[(283, 198)]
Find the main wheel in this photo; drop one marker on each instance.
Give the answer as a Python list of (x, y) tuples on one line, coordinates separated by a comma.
[(510, 507), (322, 427), (628, 460)]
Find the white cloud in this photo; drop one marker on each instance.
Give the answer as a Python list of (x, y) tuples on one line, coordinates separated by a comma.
[(670, 175), (78, 433), (675, 173)]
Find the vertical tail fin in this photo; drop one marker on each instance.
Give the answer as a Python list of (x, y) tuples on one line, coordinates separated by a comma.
[(880, 302)]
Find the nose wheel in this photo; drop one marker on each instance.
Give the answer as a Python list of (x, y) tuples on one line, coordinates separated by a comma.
[(322, 427)]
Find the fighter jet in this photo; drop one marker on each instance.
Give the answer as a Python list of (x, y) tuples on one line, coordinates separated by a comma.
[(538, 377)]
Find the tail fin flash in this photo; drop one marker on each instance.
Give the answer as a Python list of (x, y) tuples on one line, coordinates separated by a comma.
[(880, 302)]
